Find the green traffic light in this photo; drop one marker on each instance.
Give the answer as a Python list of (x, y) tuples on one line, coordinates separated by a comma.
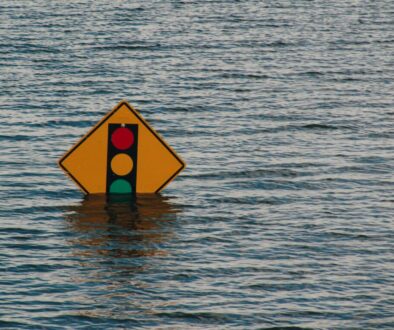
[(120, 186)]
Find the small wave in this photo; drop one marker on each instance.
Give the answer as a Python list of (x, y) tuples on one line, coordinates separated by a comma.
[(286, 328), (244, 75), (198, 316), (13, 325), (252, 174), (347, 235), (127, 47), (21, 231), (350, 42), (312, 126), (312, 73), (247, 201), (321, 126)]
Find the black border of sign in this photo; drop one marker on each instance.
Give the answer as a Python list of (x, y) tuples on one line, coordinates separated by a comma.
[(102, 122)]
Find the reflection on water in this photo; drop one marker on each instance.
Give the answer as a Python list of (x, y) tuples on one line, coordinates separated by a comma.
[(115, 241), (119, 227)]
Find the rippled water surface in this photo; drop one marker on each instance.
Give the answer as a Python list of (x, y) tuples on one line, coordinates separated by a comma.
[(283, 218)]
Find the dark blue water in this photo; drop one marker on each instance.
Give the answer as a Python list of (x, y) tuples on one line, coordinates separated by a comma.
[(284, 113)]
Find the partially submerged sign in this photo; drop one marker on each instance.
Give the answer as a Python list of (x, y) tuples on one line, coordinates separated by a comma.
[(122, 154)]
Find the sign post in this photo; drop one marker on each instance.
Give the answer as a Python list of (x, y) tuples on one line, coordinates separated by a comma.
[(122, 154)]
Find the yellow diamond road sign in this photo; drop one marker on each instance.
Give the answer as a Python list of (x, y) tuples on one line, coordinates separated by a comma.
[(122, 154)]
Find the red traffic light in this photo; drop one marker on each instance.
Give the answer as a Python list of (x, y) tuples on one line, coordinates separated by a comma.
[(122, 138)]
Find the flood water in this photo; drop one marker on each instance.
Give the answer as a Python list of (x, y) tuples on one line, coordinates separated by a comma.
[(283, 112)]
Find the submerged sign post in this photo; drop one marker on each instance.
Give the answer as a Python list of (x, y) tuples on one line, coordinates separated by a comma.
[(122, 154)]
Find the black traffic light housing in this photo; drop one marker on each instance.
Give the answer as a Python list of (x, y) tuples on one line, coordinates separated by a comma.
[(122, 158)]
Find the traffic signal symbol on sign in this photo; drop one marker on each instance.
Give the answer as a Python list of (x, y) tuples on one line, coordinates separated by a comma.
[(122, 158)]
